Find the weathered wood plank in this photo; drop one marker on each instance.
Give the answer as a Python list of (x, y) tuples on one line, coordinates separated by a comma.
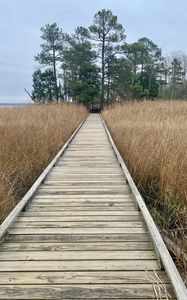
[(81, 177), (79, 265), (82, 183), (78, 201), (55, 187), (87, 197), (101, 277), (82, 213), (100, 218), (76, 230), (86, 246), (73, 238), (58, 224), (87, 208), (92, 291), (72, 203), (78, 255)]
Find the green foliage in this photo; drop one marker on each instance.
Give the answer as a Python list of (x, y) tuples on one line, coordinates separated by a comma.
[(52, 46), (107, 33), (106, 27), (96, 62), (137, 91), (81, 71), (51, 50), (44, 86), (157, 217), (177, 72)]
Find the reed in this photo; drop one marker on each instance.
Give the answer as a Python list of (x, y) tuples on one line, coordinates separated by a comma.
[(30, 136), (152, 139)]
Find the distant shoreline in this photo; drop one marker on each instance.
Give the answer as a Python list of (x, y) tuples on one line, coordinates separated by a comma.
[(14, 104)]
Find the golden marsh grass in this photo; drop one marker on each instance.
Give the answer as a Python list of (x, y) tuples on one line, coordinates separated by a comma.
[(30, 136), (152, 139)]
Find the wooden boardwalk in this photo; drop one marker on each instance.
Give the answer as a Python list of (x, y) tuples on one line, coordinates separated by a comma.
[(81, 236)]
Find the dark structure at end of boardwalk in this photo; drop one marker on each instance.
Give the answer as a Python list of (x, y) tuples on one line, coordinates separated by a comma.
[(94, 107)]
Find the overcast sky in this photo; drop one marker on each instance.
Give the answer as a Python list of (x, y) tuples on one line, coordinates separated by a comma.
[(163, 21)]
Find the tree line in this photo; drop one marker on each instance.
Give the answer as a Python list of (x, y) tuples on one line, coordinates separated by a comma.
[(96, 63)]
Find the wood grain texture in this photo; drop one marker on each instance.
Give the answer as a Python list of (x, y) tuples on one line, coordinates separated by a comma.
[(127, 291), (80, 265), (83, 277), (85, 246)]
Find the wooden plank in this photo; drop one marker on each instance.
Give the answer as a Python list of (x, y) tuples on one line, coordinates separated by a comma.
[(83, 187), (82, 177), (77, 190), (44, 218), (77, 201), (79, 265), (76, 230), (78, 255), (59, 224), (87, 208), (127, 291), (71, 213), (106, 197), (69, 172), (73, 238), (80, 183), (86, 204), (85, 192), (86, 246), (101, 277)]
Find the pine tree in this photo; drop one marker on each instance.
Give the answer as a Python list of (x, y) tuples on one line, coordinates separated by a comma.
[(177, 74), (51, 52), (106, 32), (81, 75)]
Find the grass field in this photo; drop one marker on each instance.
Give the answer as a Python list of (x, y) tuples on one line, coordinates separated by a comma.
[(152, 138), (30, 136)]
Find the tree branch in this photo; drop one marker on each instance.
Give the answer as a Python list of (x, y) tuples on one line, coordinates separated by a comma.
[(29, 94)]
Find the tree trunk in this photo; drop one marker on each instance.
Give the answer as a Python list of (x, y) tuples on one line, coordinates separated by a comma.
[(172, 92), (55, 76), (149, 87), (103, 74), (108, 89)]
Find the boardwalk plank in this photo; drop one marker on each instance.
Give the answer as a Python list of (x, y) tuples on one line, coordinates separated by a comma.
[(72, 238), (102, 277), (127, 291), (77, 255), (80, 265), (59, 224), (86, 246), (43, 218), (76, 230)]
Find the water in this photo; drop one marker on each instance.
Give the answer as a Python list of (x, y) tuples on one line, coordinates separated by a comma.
[(9, 105)]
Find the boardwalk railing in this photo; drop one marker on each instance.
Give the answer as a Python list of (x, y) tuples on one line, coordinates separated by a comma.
[(160, 247)]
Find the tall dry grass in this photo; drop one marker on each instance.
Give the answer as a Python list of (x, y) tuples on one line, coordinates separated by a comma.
[(152, 138), (30, 137)]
